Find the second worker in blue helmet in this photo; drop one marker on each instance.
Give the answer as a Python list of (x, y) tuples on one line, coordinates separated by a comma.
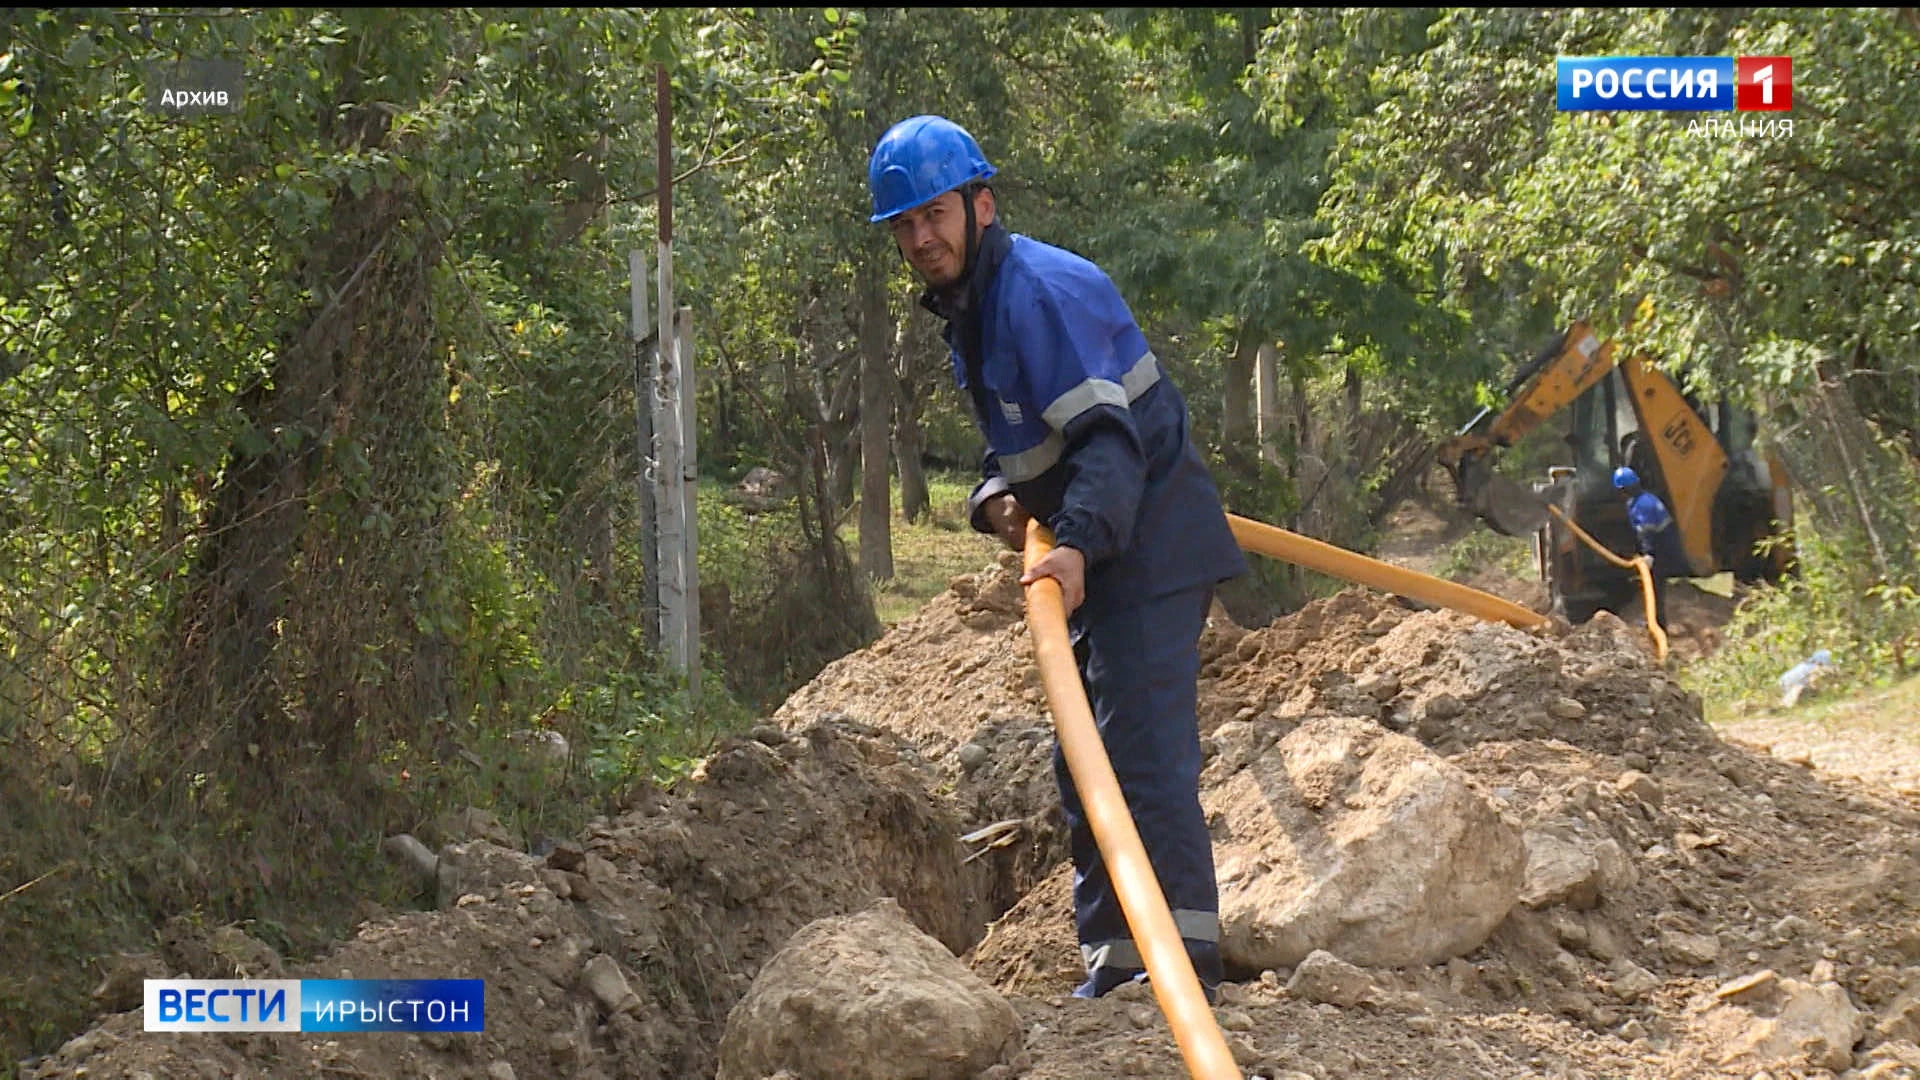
[(1085, 432), (1655, 534)]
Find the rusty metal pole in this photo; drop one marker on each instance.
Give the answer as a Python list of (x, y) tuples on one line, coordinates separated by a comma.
[(678, 594)]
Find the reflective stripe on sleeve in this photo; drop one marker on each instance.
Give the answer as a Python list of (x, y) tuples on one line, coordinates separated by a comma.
[(1141, 377), (1028, 464), (1090, 392)]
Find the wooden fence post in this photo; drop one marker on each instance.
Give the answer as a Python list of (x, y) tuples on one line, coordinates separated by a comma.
[(689, 495), (645, 352)]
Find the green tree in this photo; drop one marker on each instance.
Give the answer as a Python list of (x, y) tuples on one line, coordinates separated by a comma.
[(1766, 258)]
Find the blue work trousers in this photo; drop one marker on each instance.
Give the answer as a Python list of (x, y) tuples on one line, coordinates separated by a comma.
[(1139, 665)]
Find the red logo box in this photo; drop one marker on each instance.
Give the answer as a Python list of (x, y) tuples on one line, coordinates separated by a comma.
[(1763, 84)]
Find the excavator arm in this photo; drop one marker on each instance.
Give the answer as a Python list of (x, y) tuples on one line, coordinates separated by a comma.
[(1554, 378), (1690, 461)]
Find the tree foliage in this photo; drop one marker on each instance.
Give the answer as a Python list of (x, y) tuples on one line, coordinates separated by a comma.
[(1761, 256), (1773, 263)]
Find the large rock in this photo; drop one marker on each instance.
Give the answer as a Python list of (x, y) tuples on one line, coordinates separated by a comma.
[(1559, 871), (1326, 979), (1900, 1020), (868, 997), (1348, 838), (1772, 1022), (479, 866)]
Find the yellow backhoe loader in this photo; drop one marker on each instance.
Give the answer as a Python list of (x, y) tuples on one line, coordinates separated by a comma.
[(1725, 494)]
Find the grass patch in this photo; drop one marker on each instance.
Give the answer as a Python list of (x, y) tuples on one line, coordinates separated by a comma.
[(1886, 710), (1484, 549), (930, 552)]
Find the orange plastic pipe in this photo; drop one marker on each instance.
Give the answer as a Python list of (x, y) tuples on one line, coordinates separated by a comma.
[(1169, 969), (1640, 563), (1318, 555)]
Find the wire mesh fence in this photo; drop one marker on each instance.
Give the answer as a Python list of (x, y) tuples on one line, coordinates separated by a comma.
[(275, 456), (1853, 481)]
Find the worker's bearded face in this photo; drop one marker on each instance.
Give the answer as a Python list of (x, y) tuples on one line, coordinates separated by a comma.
[(933, 238)]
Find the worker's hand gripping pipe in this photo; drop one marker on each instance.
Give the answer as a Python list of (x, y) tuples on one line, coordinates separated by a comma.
[(1640, 563), (1169, 969)]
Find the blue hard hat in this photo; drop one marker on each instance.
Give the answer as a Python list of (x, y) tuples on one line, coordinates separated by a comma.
[(920, 159), (1624, 478)]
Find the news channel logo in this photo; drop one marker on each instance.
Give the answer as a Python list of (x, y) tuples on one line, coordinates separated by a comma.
[(1675, 83), (237, 1005)]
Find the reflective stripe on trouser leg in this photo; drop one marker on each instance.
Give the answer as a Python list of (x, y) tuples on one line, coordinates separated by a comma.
[(1196, 927), (1139, 665)]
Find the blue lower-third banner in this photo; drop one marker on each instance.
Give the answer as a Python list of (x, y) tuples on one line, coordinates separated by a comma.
[(316, 1005)]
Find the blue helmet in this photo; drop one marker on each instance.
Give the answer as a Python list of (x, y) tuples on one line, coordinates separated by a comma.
[(920, 159), (1624, 478)]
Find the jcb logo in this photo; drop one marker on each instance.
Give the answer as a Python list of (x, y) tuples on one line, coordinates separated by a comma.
[(1679, 436)]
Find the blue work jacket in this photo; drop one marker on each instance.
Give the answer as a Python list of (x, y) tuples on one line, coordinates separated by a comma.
[(1083, 426), (1657, 535)]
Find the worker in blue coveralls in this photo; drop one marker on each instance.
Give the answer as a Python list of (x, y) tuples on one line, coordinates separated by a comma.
[(1655, 534), (1086, 433)]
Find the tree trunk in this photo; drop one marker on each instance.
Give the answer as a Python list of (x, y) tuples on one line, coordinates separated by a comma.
[(843, 464), (876, 415), (835, 406), (596, 522), (1266, 392), (1237, 395), (1353, 389), (916, 502), (1299, 467), (1239, 450), (908, 442), (1355, 467), (304, 625), (597, 519), (1852, 473), (724, 452), (922, 361)]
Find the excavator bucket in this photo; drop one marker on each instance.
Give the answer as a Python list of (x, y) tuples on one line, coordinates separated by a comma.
[(1510, 508), (1503, 504)]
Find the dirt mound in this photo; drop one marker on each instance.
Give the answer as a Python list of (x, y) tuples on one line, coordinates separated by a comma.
[(687, 893), (1723, 862), (1418, 533), (1667, 872), (1450, 679), (1696, 620), (1031, 949)]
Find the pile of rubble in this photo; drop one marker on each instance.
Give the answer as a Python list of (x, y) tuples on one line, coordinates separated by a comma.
[(1446, 849)]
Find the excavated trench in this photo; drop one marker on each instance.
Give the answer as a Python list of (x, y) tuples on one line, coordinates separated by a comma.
[(1447, 849)]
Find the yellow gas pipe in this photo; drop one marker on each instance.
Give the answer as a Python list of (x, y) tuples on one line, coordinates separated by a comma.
[(1339, 562), (1169, 970), (1640, 563)]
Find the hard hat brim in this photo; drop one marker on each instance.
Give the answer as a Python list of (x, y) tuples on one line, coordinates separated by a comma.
[(984, 174)]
